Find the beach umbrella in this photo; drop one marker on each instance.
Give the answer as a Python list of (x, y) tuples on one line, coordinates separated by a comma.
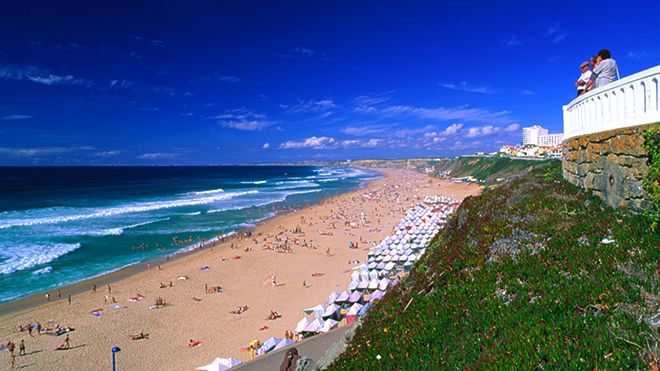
[(268, 345), (373, 274), (300, 327), (387, 259), (328, 325), (221, 364), (333, 296), (364, 275), (343, 297), (382, 285), (373, 284), (389, 266), (363, 285), (330, 310), (355, 275), (314, 326), (380, 266), (354, 309), (372, 265), (353, 285), (318, 308), (283, 343), (355, 297), (378, 294), (364, 309)]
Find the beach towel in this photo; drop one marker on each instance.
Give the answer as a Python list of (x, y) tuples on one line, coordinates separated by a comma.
[(96, 314), (195, 343), (204, 268)]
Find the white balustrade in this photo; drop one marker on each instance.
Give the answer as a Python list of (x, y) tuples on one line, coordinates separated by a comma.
[(630, 101)]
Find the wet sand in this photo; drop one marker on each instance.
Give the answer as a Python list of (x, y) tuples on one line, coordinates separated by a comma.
[(365, 216)]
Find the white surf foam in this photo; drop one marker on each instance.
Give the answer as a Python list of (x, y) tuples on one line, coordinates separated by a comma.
[(119, 210), (28, 256)]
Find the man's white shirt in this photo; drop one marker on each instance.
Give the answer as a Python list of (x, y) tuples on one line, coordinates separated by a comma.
[(584, 77)]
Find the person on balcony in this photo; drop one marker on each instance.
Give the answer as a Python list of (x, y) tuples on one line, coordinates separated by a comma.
[(606, 70), (584, 79)]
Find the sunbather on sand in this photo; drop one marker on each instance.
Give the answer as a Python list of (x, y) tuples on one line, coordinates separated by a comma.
[(139, 336)]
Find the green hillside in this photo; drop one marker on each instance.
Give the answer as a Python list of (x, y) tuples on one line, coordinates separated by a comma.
[(535, 273)]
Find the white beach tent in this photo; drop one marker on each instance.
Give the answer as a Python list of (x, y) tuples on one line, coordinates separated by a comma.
[(373, 284), (373, 274), (353, 285), (317, 310), (315, 326), (331, 310), (355, 276), (333, 295), (363, 284), (221, 364), (328, 325), (283, 343), (343, 297), (300, 327)]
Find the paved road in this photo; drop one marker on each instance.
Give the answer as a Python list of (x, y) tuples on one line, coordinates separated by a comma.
[(314, 347)]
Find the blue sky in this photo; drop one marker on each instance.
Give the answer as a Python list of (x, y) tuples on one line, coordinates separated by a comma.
[(206, 82)]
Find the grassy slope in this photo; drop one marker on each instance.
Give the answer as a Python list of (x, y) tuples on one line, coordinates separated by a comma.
[(576, 303), (488, 167), (479, 167)]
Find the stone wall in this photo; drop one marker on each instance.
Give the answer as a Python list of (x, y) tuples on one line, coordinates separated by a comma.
[(610, 163)]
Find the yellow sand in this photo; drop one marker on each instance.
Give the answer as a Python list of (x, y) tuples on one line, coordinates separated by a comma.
[(245, 281)]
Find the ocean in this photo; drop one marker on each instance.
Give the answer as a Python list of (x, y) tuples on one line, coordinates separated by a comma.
[(60, 225)]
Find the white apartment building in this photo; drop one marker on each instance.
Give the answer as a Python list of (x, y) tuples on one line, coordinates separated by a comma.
[(550, 140), (531, 134)]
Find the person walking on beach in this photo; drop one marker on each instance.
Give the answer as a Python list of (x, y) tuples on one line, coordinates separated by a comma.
[(93, 288), (38, 328), (12, 360), (274, 280), (59, 294), (69, 299), (21, 348), (67, 342)]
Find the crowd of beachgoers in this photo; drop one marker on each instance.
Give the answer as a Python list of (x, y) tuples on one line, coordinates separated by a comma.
[(254, 285)]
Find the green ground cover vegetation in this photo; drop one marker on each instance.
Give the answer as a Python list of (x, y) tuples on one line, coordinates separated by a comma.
[(534, 273)]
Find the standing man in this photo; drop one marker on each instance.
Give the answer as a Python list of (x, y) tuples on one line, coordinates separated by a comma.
[(581, 84), (607, 70)]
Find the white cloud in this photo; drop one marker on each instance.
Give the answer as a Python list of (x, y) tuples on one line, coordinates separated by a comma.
[(311, 142), (302, 51), (464, 86), (363, 130), (330, 143), (464, 113), (157, 155), (39, 75), (112, 153), (302, 107), (512, 41), (243, 119), (488, 130), (16, 117), (527, 92), (120, 84), (247, 125), (266, 146), (41, 151)]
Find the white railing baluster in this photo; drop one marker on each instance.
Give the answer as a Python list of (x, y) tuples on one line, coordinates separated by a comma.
[(631, 101)]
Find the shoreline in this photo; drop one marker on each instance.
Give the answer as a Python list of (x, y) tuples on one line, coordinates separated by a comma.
[(36, 300), (366, 214)]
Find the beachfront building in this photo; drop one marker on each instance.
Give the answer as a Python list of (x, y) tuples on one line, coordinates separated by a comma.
[(550, 140), (531, 134)]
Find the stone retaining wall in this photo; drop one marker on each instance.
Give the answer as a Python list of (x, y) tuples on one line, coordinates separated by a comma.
[(610, 163)]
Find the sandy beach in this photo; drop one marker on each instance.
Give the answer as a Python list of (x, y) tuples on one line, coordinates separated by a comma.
[(243, 267)]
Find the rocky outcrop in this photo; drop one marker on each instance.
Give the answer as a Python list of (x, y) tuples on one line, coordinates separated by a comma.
[(610, 163)]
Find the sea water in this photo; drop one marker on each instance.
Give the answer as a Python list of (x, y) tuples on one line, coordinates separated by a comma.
[(60, 225)]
